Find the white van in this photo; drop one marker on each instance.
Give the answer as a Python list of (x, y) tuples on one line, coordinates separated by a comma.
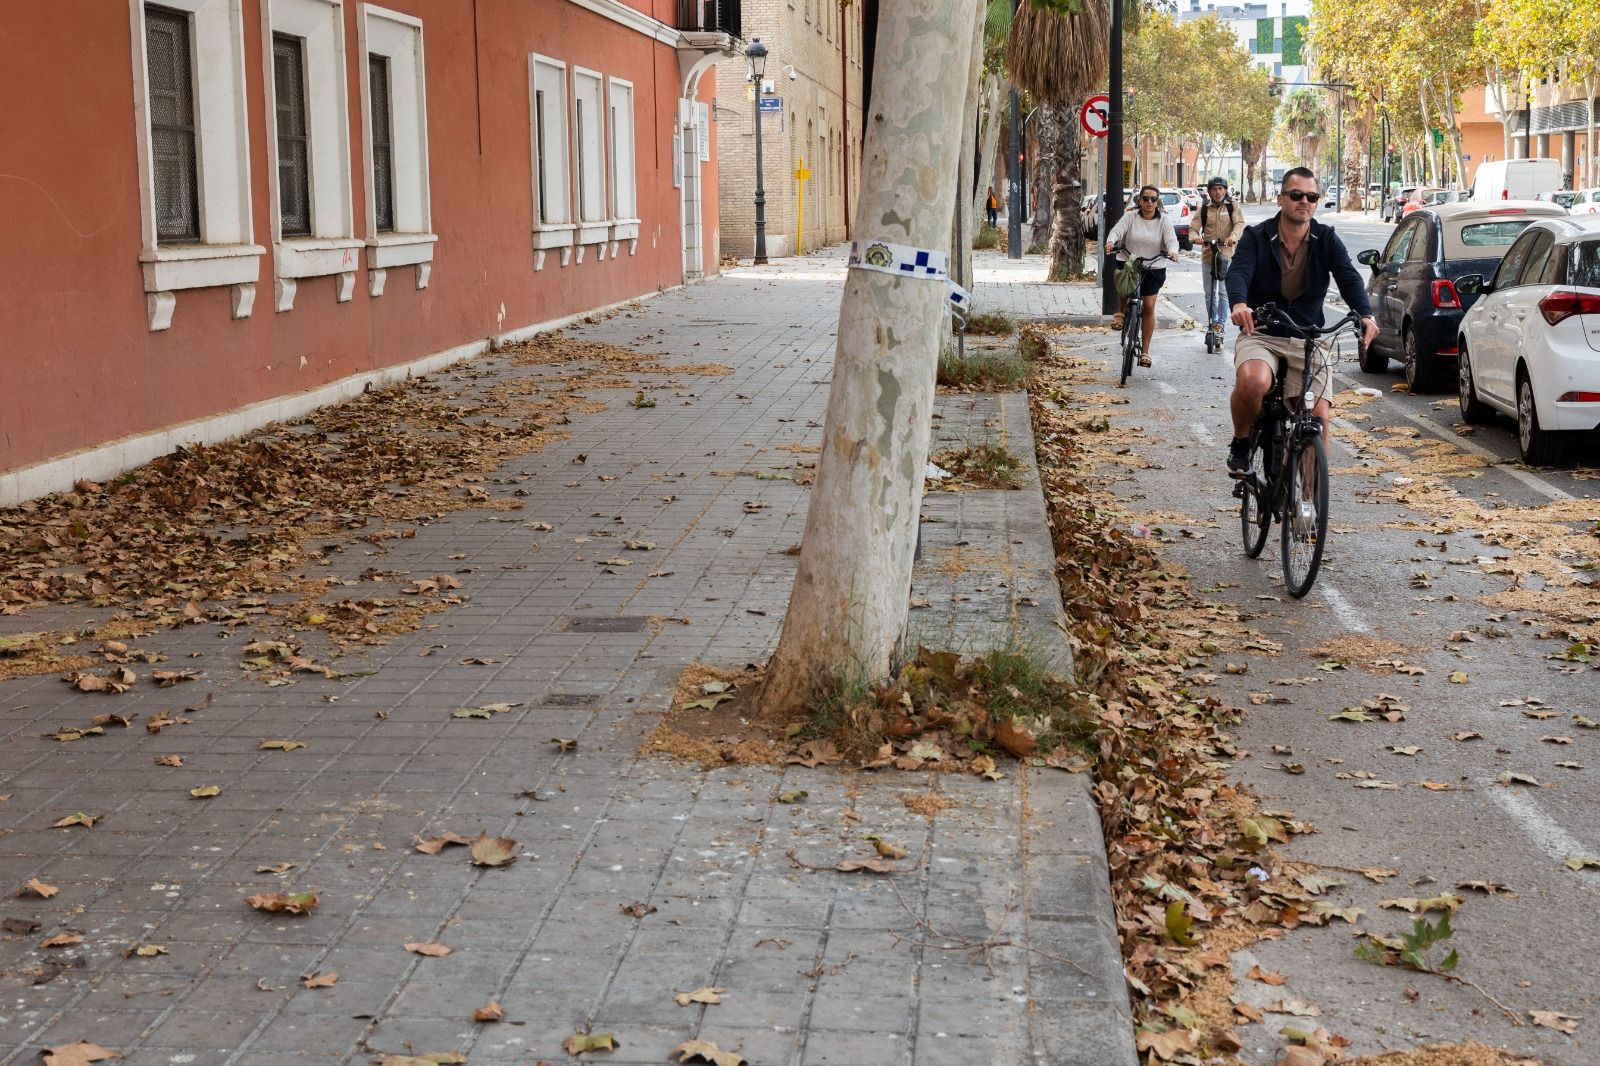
[(1515, 179)]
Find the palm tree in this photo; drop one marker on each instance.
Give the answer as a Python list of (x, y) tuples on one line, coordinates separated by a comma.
[(1059, 59)]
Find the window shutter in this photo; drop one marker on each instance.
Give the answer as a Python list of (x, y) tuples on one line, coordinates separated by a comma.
[(170, 70), (294, 168), (382, 144)]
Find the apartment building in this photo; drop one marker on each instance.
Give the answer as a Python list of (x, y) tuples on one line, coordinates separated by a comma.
[(219, 213), (1559, 114), (811, 126)]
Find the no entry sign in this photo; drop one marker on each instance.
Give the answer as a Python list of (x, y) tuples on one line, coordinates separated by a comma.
[(1095, 115)]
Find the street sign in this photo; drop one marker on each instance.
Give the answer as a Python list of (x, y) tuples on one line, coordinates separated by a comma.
[(1095, 115), (1438, 137), (773, 104)]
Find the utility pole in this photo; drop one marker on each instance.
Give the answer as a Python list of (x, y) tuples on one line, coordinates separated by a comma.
[(1013, 178), (1112, 206), (1338, 148)]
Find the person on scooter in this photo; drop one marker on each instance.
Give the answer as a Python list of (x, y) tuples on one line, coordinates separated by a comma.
[(1221, 226)]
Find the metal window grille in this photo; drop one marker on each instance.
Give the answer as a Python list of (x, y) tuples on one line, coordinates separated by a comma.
[(538, 119), (170, 69), (382, 143), (583, 170), (294, 166)]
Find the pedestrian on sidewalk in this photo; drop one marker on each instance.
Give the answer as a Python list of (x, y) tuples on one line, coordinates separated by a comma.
[(1146, 233), (991, 207)]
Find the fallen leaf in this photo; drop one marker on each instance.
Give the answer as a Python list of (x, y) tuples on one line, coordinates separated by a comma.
[(1168, 1044), (472, 712), (1266, 976), (793, 795), (1409, 749), (1466, 734), (434, 845), (280, 745), (284, 903), (169, 760), (1511, 777), (638, 910), (276, 868), (872, 866), (61, 940), (1447, 902), (437, 1058), (700, 995), (564, 745), (36, 887), (80, 1053), (886, 849), (578, 1043), (146, 951), (1576, 863), (706, 1051), (1377, 873), (1297, 1007), (1458, 677), (1437, 786), (319, 980), (1179, 924), (79, 818), (1564, 1023), (206, 791), (490, 1012), (493, 851), (430, 949)]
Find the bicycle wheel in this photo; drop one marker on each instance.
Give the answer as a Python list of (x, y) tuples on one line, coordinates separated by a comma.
[(1130, 343), (1255, 509), (1305, 511)]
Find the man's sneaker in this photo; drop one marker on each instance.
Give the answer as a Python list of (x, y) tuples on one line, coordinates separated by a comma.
[(1239, 457)]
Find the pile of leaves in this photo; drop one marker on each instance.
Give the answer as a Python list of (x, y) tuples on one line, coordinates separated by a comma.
[(1191, 867), (979, 466)]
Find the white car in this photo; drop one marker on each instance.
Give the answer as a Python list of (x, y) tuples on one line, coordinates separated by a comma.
[(1530, 346), (1585, 202), (1178, 210)]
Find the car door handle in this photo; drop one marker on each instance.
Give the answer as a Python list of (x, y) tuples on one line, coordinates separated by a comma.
[(1493, 316), (1521, 315)]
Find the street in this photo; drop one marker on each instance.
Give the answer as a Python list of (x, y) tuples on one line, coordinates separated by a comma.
[(1449, 594)]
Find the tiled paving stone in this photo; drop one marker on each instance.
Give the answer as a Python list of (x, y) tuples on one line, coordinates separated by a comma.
[(818, 967)]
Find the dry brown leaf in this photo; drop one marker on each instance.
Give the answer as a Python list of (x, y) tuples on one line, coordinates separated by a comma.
[(638, 910), (77, 818), (319, 980), (61, 940), (436, 844), (169, 760), (429, 949), (80, 1053), (700, 995), (206, 791), (35, 887), (1266, 976), (1170, 1044), (280, 745), (578, 1043), (1550, 1019), (706, 1051), (284, 903), (490, 1012), (493, 851)]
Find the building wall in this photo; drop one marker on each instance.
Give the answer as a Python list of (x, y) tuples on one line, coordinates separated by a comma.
[(820, 121), (1559, 124), (83, 365)]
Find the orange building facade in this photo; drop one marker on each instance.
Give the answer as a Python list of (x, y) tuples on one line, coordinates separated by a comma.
[(1560, 129), (221, 213)]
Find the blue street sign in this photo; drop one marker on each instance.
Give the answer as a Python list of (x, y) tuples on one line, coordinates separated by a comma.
[(771, 103)]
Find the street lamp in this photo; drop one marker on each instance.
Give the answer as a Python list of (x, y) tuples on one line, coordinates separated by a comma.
[(757, 53)]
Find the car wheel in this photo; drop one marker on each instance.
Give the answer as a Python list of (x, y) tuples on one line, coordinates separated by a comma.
[(1474, 412), (1538, 446), (1422, 372), (1374, 361)]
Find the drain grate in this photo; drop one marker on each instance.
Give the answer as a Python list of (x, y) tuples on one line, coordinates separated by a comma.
[(606, 623), (570, 699)]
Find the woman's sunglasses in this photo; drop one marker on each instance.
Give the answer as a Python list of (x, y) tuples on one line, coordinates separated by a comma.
[(1149, 199), (1298, 196)]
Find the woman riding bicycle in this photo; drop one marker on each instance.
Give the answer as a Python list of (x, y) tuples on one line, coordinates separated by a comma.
[(1146, 233)]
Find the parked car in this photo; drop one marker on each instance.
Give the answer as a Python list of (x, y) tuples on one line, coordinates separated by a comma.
[(1393, 205), (1565, 197), (1192, 198), (1179, 211), (1530, 346), (1412, 289), (1514, 179), (1428, 197), (1585, 202)]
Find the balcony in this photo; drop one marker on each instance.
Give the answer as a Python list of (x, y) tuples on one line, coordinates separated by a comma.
[(709, 16)]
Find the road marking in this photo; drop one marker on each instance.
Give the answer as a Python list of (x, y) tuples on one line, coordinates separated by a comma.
[(1533, 481), (1553, 840), (1166, 388), (1203, 433), (1348, 613)]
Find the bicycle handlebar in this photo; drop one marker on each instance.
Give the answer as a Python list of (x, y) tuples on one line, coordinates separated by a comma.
[(1268, 315)]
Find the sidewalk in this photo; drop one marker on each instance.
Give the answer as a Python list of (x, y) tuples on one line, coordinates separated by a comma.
[(1017, 288), (996, 945)]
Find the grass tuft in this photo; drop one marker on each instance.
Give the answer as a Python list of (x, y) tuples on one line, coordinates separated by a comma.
[(982, 466), (993, 323), (986, 238), (982, 369)]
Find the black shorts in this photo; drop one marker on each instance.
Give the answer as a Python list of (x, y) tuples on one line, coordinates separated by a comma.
[(1153, 280)]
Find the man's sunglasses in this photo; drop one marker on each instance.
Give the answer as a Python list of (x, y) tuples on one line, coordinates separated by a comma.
[(1298, 196)]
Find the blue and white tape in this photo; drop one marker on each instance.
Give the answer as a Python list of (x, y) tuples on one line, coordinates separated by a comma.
[(899, 259), (959, 297)]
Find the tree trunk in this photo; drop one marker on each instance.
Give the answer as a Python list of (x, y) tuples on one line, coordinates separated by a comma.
[(996, 90), (1044, 161), (1454, 127), (1066, 230), (1589, 86), (847, 612), (967, 171)]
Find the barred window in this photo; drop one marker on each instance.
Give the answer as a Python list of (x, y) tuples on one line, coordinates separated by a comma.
[(294, 164), (382, 144), (172, 141)]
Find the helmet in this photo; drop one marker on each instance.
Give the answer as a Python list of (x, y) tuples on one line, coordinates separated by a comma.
[(1217, 181)]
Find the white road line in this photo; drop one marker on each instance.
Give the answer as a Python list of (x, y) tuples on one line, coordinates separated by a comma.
[(1166, 388), (1203, 433), (1553, 840), (1533, 481), (1348, 613)]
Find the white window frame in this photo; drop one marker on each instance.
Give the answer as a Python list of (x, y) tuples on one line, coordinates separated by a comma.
[(332, 248), (622, 163), (589, 160), (398, 37), (550, 76), (226, 253)]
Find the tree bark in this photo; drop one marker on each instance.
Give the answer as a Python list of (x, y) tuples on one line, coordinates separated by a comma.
[(1066, 229), (967, 171), (1044, 159), (996, 90), (848, 608)]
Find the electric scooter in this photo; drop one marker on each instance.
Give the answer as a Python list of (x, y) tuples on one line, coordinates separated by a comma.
[(1217, 293)]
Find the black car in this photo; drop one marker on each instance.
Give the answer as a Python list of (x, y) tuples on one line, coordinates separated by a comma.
[(1412, 289)]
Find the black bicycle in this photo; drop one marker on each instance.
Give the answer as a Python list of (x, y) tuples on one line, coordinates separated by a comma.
[(1287, 478), (1132, 322), (1216, 295)]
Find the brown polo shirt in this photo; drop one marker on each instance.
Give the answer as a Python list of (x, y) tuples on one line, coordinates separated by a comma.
[(1293, 267)]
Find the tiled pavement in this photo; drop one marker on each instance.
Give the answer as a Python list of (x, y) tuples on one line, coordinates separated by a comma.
[(817, 967)]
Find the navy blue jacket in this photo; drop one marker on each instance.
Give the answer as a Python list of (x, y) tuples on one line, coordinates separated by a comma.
[(1256, 276)]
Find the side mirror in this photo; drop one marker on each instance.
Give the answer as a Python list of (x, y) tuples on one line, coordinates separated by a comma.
[(1471, 285), (1369, 257)]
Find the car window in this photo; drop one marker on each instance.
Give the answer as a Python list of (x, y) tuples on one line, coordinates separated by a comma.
[(1555, 268), (1512, 264), (1169, 198), (1498, 234), (1421, 250), (1400, 243), (1583, 265), (1538, 255)]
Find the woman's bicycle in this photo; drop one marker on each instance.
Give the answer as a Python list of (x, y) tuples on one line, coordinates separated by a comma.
[(1132, 319), (1287, 478)]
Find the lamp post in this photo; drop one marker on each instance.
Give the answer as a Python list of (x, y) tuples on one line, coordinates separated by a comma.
[(757, 53)]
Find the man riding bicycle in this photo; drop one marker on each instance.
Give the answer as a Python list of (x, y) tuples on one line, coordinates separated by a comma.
[(1221, 226), (1287, 260)]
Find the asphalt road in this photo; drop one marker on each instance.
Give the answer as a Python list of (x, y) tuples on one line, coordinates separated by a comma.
[(1395, 585)]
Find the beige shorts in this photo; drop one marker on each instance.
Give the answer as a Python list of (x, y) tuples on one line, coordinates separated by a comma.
[(1269, 349)]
